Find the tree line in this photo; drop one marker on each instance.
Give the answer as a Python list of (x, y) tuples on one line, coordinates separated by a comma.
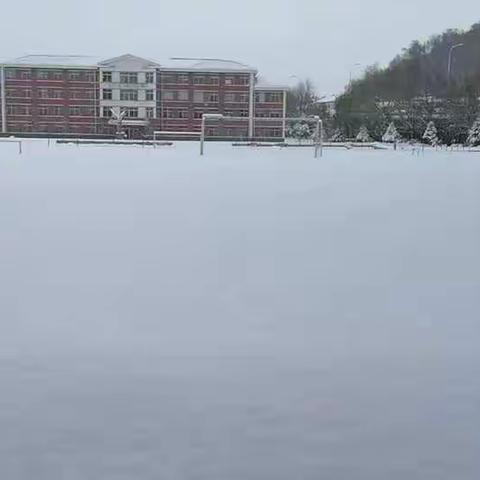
[(415, 90)]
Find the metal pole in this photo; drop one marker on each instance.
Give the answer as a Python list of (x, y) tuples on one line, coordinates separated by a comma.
[(321, 137), (450, 55), (3, 96), (317, 136), (202, 136)]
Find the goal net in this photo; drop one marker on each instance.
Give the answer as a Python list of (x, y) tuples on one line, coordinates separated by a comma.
[(303, 131)]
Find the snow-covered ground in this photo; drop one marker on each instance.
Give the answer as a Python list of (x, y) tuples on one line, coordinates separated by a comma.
[(252, 314)]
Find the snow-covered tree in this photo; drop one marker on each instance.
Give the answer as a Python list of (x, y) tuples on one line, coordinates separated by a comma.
[(363, 135), (474, 134), (431, 135), (391, 135), (337, 136), (300, 131)]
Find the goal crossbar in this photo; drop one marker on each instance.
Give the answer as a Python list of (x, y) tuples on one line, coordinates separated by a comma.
[(318, 136)]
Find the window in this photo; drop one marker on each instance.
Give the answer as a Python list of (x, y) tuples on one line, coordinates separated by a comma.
[(107, 112), (55, 110), (18, 110), (26, 75), (237, 80), (50, 93), (131, 112), (107, 94), (169, 79), (43, 111), (269, 97), (211, 97), (205, 97), (149, 77), (10, 73), (183, 78), (76, 111), (56, 75), (129, 95), (128, 77), (182, 95), (43, 75), (169, 95), (149, 95), (275, 114), (175, 113), (75, 76), (198, 97), (205, 80), (89, 76), (236, 98), (107, 77), (197, 114), (150, 112)]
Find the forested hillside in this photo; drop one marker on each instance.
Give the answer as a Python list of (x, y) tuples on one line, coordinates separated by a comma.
[(417, 84)]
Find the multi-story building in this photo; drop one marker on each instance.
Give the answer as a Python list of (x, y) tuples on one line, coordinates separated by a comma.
[(79, 95)]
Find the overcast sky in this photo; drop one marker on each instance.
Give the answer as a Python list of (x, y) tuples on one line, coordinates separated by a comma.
[(320, 39)]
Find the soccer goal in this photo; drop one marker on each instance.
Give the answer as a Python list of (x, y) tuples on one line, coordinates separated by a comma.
[(278, 125)]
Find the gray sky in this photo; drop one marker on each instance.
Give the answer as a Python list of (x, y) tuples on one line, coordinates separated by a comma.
[(320, 39)]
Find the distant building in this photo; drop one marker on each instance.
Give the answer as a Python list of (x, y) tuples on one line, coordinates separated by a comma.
[(78, 95), (329, 104)]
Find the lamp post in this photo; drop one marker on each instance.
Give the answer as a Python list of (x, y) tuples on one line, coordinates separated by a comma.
[(352, 67), (450, 57)]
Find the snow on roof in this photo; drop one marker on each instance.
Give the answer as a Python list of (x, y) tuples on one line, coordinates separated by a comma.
[(328, 99), (129, 57), (55, 61), (207, 65), (262, 85)]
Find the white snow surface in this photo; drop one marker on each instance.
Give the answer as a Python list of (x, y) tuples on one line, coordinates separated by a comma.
[(252, 314)]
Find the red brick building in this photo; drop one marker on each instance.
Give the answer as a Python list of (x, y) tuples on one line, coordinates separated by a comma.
[(79, 95)]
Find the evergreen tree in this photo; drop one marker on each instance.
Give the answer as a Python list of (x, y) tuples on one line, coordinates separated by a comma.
[(338, 136), (391, 135), (474, 134), (300, 131), (431, 135), (363, 135)]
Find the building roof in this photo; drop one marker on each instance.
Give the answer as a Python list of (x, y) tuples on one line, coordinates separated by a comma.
[(128, 58), (262, 85), (207, 65), (74, 61)]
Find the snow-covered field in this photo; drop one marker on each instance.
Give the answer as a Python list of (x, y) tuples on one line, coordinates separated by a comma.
[(253, 314)]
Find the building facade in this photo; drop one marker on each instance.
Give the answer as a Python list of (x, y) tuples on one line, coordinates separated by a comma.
[(135, 97)]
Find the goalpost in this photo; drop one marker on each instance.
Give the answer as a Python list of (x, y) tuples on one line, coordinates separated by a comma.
[(316, 120)]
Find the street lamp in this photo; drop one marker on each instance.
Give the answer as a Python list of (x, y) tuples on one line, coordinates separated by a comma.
[(352, 67), (450, 55)]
